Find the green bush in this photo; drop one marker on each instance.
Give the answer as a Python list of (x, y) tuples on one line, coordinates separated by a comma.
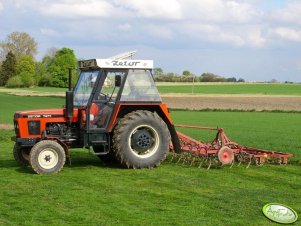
[(14, 82), (27, 79), (45, 80)]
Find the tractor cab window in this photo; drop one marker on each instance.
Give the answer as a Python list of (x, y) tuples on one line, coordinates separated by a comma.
[(84, 87), (140, 86), (104, 99), (110, 87)]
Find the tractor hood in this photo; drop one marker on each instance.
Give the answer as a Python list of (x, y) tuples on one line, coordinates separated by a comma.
[(42, 113)]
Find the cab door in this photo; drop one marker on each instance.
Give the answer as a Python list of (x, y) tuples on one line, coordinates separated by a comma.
[(104, 100)]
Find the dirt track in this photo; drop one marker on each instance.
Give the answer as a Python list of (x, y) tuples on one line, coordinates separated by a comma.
[(218, 101), (244, 102)]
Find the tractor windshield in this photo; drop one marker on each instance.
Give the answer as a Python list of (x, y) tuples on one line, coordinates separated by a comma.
[(84, 87)]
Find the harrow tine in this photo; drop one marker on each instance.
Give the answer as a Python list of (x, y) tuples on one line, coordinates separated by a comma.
[(203, 160), (173, 155), (249, 162), (209, 166), (232, 164), (181, 156), (192, 161), (240, 160)]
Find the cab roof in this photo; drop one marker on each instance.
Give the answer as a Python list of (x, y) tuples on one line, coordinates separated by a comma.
[(113, 63)]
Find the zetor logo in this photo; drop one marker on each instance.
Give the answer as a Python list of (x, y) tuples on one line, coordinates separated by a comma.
[(280, 213), (125, 63)]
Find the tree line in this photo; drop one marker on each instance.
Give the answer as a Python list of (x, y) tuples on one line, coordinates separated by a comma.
[(18, 67), (186, 76)]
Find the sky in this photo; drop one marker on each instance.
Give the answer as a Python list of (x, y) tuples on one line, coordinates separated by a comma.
[(257, 40)]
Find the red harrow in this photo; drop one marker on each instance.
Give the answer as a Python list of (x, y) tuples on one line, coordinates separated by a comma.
[(221, 151)]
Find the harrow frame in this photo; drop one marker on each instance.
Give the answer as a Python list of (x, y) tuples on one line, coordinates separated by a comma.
[(222, 150)]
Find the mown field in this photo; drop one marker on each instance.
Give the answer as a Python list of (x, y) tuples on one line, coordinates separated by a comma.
[(10, 104), (197, 88), (266, 89), (91, 193)]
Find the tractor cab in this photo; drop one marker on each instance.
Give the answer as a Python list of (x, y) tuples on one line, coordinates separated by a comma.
[(103, 83)]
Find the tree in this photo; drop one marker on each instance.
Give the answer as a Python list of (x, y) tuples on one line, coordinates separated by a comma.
[(19, 43), (186, 73), (59, 65), (158, 71), (232, 79), (8, 68), (26, 70), (209, 77), (42, 77)]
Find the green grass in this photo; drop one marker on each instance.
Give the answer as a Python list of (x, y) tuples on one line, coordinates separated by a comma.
[(266, 89), (9, 104), (33, 89), (199, 88), (91, 193)]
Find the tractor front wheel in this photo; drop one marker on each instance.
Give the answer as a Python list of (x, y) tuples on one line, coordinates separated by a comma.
[(141, 140), (47, 156), (21, 155)]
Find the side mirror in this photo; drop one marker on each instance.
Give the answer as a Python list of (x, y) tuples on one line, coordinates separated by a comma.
[(117, 80), (69, 106)]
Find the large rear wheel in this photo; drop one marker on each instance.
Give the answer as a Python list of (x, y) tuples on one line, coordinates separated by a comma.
[(141, 140), (47, 157)]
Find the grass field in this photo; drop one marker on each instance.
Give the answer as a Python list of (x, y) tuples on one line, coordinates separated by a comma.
[(91, 193), (266, 89), (198, 88), (10, 104)]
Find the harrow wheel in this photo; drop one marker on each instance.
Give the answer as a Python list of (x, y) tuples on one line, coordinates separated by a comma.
[(225, 156)]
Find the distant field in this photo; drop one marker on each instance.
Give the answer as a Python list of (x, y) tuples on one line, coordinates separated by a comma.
[(9, 104), (33, 89), (266, 89), (198, 88)]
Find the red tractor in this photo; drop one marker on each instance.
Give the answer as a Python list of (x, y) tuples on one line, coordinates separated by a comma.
[(115, 108)]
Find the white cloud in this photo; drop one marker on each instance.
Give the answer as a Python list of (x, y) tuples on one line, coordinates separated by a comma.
[(232, 22), (49, 32), (158, 9), (289, 14), (255, 37), (78, 9), (288, 33), (159, 31), (219, 11), (250, 36), (124, 27), (1, 6)]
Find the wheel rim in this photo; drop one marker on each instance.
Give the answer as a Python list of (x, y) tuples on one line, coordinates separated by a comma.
[(144, 141), (48, 158)]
